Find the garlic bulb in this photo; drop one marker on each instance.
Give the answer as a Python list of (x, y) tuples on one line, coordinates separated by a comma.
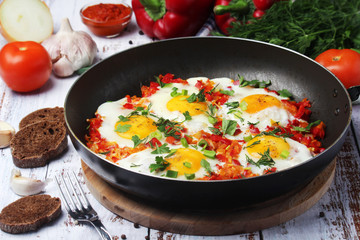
[(6, 133), (25, 186), (70, 50)]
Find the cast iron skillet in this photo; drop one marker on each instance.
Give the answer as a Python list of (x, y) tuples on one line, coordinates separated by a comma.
[(211, 57)]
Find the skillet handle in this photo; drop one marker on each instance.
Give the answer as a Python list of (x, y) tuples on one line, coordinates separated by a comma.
[(354, 93)]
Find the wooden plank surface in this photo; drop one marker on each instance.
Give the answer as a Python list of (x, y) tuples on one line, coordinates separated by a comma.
[(335, 216)]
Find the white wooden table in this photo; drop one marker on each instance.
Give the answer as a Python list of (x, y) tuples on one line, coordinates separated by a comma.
[(335, 216)]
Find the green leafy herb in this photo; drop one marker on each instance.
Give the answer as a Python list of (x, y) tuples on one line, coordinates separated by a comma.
[(169, 128), (203, 143), (253, 144), (308, 26), (104, 153), (232, 104), (136, 139), (265, 159), (200, 97), (205, 164), (123, 119), (227, 92), (161, 149), (160, 164), (250, 123), (184, 142), (229, 126), (285, 93), (172, 152), (211, 114), (122, 128), (215, 130), (253, 83), (308, 127), (187, 116), (162, 84)]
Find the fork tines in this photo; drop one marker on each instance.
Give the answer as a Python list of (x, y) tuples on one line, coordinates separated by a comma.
[(75, 199)]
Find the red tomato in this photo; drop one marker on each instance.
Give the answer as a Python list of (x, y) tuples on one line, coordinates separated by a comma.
[(258, 13), (24, 66), (263, 4), (343, 63)]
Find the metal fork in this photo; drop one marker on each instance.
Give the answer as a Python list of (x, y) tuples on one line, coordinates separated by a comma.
[(80, 209)]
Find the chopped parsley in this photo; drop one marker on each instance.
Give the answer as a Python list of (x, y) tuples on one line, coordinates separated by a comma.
[(285, 93), (253, 83), (122, 128), (229, 126), (265, 160), (161, 149), (160, 164), (308, 127), (136, 139), (205, 164), (200, 97)]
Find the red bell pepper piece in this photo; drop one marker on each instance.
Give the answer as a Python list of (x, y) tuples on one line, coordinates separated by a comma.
[(171, 18), (228, 11)]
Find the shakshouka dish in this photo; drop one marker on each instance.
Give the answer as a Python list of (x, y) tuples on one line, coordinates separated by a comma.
[(206, 129)]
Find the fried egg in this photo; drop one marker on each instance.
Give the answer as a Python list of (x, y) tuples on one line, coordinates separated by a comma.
[(285, 153), (187, 162)]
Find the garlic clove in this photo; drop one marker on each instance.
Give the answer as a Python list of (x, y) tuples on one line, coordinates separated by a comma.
[(25, 186), (70, 50), (6, 133)]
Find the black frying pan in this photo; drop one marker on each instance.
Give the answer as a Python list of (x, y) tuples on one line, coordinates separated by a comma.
[(211, 57)]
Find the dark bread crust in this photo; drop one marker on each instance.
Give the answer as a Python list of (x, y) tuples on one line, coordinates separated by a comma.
[(50, 114), (29, 213), (36, 144)]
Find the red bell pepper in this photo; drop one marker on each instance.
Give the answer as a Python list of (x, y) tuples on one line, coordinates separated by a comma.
[(171, 18), (229, 11)]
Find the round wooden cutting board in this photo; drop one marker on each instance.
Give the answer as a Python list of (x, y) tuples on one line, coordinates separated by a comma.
[(209, 223)]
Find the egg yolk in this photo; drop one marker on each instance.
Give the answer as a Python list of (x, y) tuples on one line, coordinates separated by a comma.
[(137, 125), (257, 102), (179, 103), (185, 160), (261, 144)]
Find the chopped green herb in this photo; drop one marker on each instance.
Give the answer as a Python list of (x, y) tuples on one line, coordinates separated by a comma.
[(187, 116), (161, 149), (200, 97), (227, 92), (215, 130), (184, 142), (250, 123), (265, 159), (157, 134), (308, 127), (253, 144), (123, 119), (285, 93), (229, 126), (243, 105), (205, 164), (135, 165), (232, 104), (209, 154), (187, 164), (248, 138), (136, 139), (122, 128), (172, 152), (189, 176), (284, 154), (171, 174), (253, 83), (203, 143), (104, 153), (160, 164)]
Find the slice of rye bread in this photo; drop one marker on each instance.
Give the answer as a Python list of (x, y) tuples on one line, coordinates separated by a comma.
[(36, 144), (51, 114), (29, 213)]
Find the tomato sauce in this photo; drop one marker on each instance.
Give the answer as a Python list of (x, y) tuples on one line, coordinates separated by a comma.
[(106, 12), (106, 19)]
